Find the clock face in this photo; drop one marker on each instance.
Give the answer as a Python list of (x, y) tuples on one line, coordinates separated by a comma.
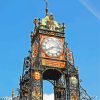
[(52, 46), (73, 80)]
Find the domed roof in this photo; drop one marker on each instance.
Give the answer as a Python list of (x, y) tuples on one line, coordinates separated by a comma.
[(50, 24)]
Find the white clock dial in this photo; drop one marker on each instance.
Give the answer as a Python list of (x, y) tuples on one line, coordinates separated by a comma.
[(73, 80), (52, 46)]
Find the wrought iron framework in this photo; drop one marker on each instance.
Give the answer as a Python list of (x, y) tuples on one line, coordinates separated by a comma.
[(32, 89), (64, 77)]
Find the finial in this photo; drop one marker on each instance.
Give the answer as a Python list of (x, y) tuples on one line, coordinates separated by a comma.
[(63, 26), (12, 93), (46, 7)]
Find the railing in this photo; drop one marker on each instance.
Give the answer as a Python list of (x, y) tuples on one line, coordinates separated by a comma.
[(6, 98), (9, 98)]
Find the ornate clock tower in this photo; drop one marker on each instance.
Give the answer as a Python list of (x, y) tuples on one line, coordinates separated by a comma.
[(49, 59)]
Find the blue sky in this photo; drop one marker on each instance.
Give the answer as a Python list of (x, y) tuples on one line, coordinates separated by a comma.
[(82, 19)]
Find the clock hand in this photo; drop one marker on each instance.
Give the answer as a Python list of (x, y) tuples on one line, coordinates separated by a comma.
[(52, 48), (49, 48)]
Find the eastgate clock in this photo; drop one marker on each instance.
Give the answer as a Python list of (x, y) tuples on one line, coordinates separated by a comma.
[(52, 46)]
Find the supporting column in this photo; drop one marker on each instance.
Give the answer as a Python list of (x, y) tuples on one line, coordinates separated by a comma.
[(60, 89), (37, 88)]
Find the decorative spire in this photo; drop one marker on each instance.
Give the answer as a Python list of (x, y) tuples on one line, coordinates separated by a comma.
[(46, 7), (12, 93)]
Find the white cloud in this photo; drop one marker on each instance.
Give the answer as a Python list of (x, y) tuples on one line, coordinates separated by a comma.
[(91, 8), (48, 96)]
